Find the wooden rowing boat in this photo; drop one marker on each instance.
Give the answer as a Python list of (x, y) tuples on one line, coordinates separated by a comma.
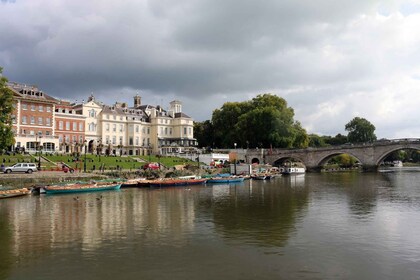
[(14, 193)]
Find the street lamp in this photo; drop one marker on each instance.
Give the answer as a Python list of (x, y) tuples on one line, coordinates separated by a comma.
[(99, 149), (39, 152), (84, 164), (235, 157), (149, 152)]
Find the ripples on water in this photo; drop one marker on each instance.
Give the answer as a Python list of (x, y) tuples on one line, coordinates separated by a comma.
[(317, 226)]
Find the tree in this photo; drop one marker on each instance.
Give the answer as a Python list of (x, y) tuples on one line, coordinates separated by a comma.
[(316, 141), (264, 121), (360, 130), (224, 121), (204, 133), (6, 114), (339, 139)]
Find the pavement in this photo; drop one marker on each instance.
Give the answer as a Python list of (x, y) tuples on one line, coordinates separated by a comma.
[(48, 174)]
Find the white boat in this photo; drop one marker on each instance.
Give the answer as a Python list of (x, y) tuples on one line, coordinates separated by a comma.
[(397, 163), (293, 170)]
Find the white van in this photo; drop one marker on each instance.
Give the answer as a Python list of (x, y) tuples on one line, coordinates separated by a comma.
[(21, 167)]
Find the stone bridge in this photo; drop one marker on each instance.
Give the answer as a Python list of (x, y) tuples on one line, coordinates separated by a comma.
[(370, 155)]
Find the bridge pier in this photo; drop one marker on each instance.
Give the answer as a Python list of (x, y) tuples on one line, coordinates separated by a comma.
[(369, 168), (314, 169)]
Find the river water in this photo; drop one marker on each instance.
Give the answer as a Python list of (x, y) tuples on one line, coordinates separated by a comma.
[(316, 226)]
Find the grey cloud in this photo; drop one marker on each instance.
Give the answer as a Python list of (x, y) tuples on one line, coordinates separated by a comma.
[(204, 52)]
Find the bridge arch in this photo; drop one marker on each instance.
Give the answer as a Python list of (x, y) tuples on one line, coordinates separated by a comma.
[(323, 160), (280, 161), (386, 153), (255, 160)]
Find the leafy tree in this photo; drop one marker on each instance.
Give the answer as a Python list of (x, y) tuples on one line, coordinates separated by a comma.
[(6, 110), (339, 139), (316, 141), (204, 133), (360, 130), (301, 137), (264, 121), (224, 121)]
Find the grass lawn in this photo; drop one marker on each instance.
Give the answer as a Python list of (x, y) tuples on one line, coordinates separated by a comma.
[(12, 159), (111, 162)]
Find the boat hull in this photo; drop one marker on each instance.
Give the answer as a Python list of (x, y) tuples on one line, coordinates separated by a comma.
[(14, 193), (77, 189), (225, 180), (177, 183)]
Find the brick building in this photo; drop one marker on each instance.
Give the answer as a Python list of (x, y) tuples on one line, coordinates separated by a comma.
[(33, 119), (69, 128)]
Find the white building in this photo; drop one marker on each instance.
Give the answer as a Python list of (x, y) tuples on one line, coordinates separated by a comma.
[(138, 130)]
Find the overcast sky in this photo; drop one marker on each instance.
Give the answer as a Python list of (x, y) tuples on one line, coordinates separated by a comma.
[(331, 60)]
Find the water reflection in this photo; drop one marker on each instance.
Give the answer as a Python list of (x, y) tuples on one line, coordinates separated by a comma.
[(262, 213), (6, 258), (325, 226)]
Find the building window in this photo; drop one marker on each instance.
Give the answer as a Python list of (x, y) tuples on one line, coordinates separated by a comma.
[(80, 126), (148, 130), (189, 131), (137, 141), (130, 141), (92, 113), (107, 140), (67, 125), (170, 131), (166, 131), (75, 126), (185, 130), (107, 127), (121, 140), (32, 107), (40, 120), (121, 127), (114, 127), (48, 109), (24, 106), (48, 121), (137, 128), (24, 120), (32, 120), (114, 140), (41, 108), (60, 125)]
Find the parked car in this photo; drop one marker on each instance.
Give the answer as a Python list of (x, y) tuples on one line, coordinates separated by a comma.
[(21, 167)]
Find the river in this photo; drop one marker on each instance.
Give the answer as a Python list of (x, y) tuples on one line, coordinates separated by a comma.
[(315, 226)]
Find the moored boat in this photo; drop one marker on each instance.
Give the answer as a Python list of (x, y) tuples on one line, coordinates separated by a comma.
[(293, 170), (224, 180), (134, 183), (14, 193), (81, 188), (176, 182)]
